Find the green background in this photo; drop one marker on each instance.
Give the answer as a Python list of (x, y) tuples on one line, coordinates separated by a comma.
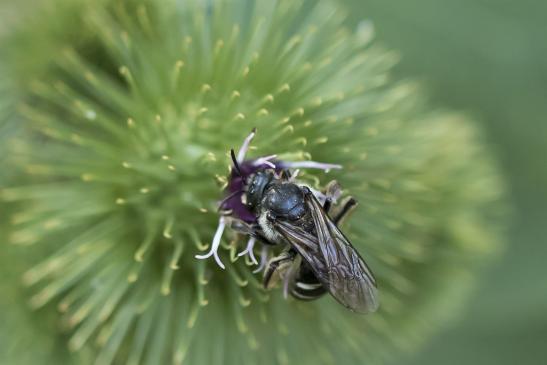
[(489, 58)]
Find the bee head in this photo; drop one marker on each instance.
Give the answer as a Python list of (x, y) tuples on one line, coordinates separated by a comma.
[(256, 185)]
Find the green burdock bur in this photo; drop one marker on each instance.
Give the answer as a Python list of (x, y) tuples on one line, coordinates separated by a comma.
[(120, 115)]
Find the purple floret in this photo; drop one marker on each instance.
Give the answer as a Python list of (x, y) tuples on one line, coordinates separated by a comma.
[(235, 190)]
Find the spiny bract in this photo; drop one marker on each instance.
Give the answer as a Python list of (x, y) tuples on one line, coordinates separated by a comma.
[(129, 110)]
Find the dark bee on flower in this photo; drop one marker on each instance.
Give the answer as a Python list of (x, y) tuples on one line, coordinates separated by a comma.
[(266, 202)]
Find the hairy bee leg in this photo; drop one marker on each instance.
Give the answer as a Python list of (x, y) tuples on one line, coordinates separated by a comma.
[(250, 230), (333, 190), (276, 266), (347, 207), (289, 278)]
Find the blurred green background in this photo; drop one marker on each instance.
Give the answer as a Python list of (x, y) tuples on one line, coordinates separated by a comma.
[(487, 57)]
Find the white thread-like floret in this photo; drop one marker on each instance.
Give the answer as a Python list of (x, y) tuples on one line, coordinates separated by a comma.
[(310, 165), (216, 243), (245, 147), (263, 259), (265, 161), (249, 250)]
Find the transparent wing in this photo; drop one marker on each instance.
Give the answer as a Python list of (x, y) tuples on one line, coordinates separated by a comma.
[(333, 260), (306, 245), (351, 281)]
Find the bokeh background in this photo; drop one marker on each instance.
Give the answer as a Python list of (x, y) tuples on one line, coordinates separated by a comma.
[(488, 58)]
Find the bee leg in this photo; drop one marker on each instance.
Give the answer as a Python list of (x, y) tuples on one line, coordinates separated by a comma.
[(240, 226), (347, 207), (251, 230), (289, 277), (276, 268), (333, 192), (327, 205)]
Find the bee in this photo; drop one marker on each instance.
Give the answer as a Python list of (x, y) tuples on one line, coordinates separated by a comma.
[(268, 204)]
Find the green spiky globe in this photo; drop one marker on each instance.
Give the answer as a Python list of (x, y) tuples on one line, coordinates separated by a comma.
[(128, 109)]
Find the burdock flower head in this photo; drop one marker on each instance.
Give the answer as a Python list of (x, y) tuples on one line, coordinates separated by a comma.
[(128, 112)]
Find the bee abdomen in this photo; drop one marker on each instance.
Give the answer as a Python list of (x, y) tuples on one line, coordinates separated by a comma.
[(306, 284), (308, 291)]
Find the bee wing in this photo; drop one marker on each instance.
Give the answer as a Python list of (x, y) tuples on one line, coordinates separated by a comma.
[(351, 282), (333, 260), (306, 245)]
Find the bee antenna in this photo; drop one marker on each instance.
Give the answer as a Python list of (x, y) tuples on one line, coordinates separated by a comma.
[(236, 164)]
